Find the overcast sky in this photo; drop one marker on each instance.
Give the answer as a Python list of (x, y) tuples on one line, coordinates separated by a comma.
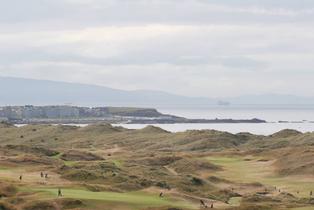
[(210, 48)]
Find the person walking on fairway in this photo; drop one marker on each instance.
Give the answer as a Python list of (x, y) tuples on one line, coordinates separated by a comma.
[(203, 204), (59, 192), (21, 177)]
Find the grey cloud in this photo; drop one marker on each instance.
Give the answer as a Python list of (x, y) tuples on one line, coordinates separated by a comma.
[(143, 58), (196, 47), (243, 63), (65, 13)]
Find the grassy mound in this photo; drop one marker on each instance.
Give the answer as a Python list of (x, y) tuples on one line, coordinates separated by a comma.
[(32, 150), (68, 203), (32, 160), (81, 175), (7, 190), (5, 206), (188, 165), (286, 133), (159, 161), (75, 155), (101, 128), (295, 161), (152, 129), (40, 205)]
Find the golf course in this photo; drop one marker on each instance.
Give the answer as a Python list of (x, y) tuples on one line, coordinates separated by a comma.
[(105, 167)]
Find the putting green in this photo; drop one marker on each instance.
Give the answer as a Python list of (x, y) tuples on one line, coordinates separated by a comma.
[(134, 199)]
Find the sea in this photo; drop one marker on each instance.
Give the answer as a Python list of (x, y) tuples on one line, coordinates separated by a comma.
[(278, 117)]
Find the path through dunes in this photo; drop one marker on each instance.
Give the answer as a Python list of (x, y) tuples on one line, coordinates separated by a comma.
[(256, 169)]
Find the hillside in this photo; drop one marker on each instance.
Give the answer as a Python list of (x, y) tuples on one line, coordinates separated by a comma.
[(128, 169), (19, 91)]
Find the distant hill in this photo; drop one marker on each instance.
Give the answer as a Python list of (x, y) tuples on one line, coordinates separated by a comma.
[(18, 91)]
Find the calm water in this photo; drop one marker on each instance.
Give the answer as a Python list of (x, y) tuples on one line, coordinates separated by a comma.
[(270, 114), (262, 129), (300, 118)]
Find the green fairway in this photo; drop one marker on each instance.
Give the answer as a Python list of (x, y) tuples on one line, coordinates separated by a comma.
[(133, 199), (3, 168), (69, 162), (235, 201), (247, 171), (117, 163)]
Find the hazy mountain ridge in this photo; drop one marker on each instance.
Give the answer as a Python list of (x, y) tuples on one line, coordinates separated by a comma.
[(19, 91)]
